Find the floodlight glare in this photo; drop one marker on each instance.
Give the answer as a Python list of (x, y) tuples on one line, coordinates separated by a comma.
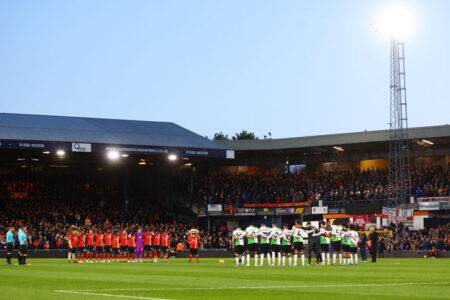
[(172, 157), (395, 22), (113, 155), (60, 153)]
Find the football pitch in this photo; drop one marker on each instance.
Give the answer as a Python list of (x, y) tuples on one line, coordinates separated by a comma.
[(178, 279)]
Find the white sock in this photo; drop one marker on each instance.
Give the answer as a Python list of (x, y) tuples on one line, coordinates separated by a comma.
[(243, 259), (273, 257), (344, 261), (334, 258), (356, 258), (237, 260), (328, 258), (295, 259), (268, 258), (256, 260), (323, 258), (279, 258), (69, 255), (283, 260), (290, 260), (261, 258), (303, 259), (248, 259), (350, 259), (340, 258)]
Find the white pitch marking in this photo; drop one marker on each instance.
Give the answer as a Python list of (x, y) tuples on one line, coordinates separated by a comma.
[(108, 295), (270, 287)]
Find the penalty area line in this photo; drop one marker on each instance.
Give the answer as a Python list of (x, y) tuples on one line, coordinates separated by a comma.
[(269, 287), (91, 293)]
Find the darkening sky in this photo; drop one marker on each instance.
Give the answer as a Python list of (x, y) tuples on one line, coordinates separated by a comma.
[(293, 68)]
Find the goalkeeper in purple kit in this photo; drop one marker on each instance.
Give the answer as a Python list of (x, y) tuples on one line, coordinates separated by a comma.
[(139, 251)]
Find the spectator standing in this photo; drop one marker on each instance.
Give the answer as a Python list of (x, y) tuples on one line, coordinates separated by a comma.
[(374, 241), (363, 246)]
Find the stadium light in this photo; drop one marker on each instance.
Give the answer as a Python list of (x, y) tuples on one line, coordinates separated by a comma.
[(338, 148), (394, 22), (20, 159), (60, 153), (124, 155), (46, 152), (172, 157), (427, 142), (113, 155)]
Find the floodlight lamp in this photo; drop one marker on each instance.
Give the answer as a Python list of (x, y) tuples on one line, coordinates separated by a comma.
[(113, 155), (60, 153), (395, 22), (172, 157)]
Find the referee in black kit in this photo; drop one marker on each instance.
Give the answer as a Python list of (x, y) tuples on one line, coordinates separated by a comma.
[(374, 240)]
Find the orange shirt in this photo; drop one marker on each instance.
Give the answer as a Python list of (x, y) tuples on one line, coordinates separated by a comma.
[(147, 238), (90, 239), (73, 240), (131, 241), (156, 240), (99, 240), (81, 241), (107, 239), (165, 239), (193, 241), (115, 241), (123, 240)]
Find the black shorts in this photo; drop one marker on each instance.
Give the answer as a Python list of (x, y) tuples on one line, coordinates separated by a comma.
[(72, 250), (90, 248), (239, 249), (107, 249), (253, 247), (345, 248), (123, 249), (131, 249), (163, 249), (336, 246), (193, 251), (285, 249), (9, 247), (147, 248), (325, 247), (115, 251), (298, 246), (99, 249), (80, 250), (275, 248), (155, 247), (264, 248), (353, 249), (23, 249)]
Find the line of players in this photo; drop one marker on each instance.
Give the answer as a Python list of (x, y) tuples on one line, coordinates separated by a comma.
[(117, 246), (330, 242)]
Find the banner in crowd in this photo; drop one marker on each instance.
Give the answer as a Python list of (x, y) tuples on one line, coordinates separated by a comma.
[(360, 220), (319, 210), (285, 211), (214, 207), (397, 215), (429, 206), (245, 212), (433, 199), (290, 204)]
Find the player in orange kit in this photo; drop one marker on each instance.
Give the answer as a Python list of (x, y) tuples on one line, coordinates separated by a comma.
[(107, 240), (72, 243), (165, 244), (115, 246), (123, 239), (147, 244), (194, 243)]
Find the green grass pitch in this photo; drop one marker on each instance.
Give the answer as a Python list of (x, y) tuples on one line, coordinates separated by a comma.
[(178, 279)]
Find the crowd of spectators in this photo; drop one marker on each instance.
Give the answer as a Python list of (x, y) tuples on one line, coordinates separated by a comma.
[(425, 239), (353, 184)]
